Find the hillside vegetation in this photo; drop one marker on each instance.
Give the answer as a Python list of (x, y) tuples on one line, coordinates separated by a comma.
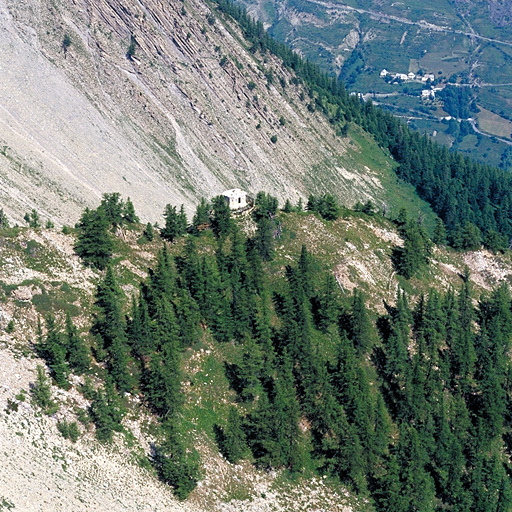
[(265, 338), (343, 145), (348, 351)]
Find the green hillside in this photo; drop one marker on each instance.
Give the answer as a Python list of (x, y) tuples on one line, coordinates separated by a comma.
[(264, 336), (296, 356)]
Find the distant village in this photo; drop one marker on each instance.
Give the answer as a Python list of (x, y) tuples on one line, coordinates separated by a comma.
[(426, 94)]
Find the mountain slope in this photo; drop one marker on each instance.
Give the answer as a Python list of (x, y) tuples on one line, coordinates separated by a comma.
[(453, 41), (42, 276), (41, 468), (187, 114)]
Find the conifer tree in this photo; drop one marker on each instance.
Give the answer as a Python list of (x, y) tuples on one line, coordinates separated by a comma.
[(55, 353), (413, 459), (328, 207), (383, 429), (344, 373), (113, 208), (162, 280), (439, 237), (264, 238), (467, 237), (129, 216), (4, 221), (240, 293), (202, 216), (177, 463), (249, 370), (94, 244), (495, 242), (415, 253), (120, 364), (182, 221), (328, 309), (188, 317), (191, 270), (233, 444), (78, 353), (215, 307), (106, 411), (139, 330), (259, 428), (312, 204), (149, 232), (389, 493), (108, 319), (255, 273), (32, 219), (342, 451), (220, 218), (266, 206), (286, 420), (361, 329), (305, 271), (397, 368), (461, 339), (263, 334), (163, 381), (172, 227), (287, 208), (42, 393)]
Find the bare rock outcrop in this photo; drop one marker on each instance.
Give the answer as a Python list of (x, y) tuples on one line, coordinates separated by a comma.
[(188, 112)]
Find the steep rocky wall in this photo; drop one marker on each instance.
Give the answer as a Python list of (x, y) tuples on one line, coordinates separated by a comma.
[(169, 125)]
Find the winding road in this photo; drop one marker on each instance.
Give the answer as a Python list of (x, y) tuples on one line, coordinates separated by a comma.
[(406, 21)]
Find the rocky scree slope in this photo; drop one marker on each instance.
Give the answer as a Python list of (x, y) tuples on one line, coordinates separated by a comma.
[(160, 101)]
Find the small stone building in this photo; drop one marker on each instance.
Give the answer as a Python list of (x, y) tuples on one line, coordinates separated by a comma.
[(236, 198)]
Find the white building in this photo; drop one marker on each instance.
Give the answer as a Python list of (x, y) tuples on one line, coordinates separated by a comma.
[(411, 76), (401, 76), (427, 77), (428, 94), (384, 73), (236, 198)]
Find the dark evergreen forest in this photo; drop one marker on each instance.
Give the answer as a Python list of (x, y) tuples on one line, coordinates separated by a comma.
[(410, 409)]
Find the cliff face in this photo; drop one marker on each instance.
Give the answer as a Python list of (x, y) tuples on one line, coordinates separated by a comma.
[(190, 114)]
